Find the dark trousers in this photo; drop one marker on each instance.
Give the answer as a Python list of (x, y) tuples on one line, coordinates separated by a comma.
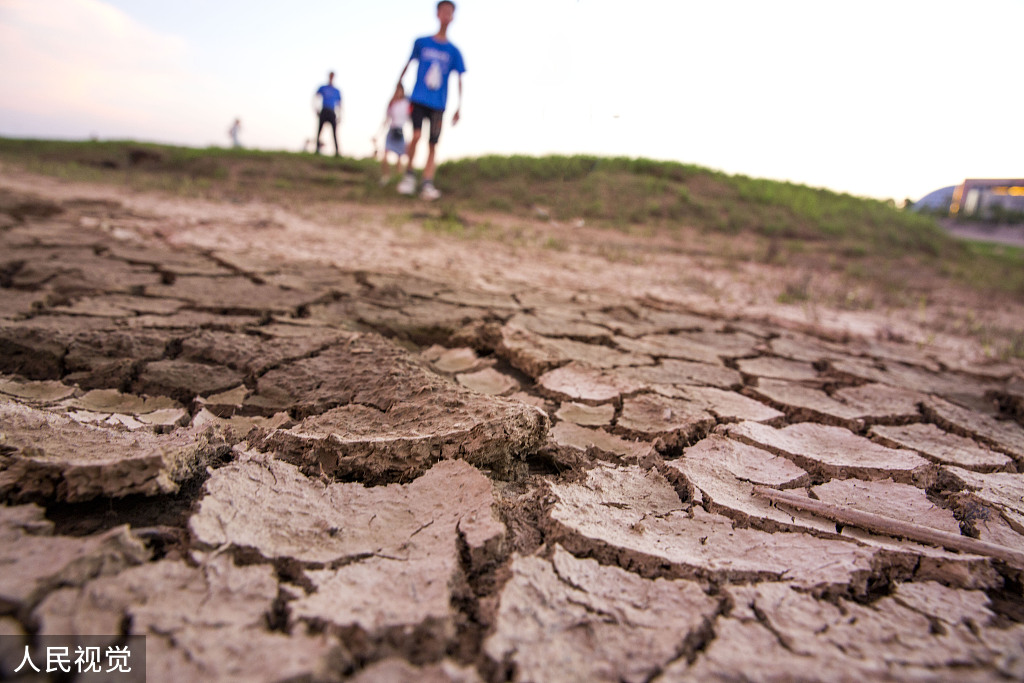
[(328, 116)]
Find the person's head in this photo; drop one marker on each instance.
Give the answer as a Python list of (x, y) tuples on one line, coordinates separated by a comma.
[(445, 11), (330, 77)]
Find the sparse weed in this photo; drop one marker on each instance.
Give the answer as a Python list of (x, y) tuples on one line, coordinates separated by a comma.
[(815, 226)]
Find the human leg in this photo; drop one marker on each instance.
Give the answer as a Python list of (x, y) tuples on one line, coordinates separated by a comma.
[(408, 183), (428, 168), (319, 130), (410, 150), (429, 192)]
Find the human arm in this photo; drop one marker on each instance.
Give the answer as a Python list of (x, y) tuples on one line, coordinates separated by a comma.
[(458, 106), (401, 76)]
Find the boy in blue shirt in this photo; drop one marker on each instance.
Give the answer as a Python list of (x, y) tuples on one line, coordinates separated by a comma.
[(330, 104), (437, 59)]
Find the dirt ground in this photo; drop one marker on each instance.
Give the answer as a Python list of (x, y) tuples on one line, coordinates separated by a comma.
[(335, 441)]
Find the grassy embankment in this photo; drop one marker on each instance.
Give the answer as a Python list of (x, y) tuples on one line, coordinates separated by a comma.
[(898, 257)]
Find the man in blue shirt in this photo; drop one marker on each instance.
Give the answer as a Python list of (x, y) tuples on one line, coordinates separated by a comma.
[(437, 59), (330, 106)]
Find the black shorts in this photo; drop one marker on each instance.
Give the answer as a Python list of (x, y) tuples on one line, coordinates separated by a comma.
[(436, 117), (328, 116)]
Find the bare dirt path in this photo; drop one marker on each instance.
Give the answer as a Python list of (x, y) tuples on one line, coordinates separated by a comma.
[(1000, 234), (373, 443)]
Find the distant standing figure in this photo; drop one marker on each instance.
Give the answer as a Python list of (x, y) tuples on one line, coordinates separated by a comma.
[(394, 121), (437, 58), (235, 129), (328, 111)]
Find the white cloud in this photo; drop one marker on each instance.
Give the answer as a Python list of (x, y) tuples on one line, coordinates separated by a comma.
[(85, 59)]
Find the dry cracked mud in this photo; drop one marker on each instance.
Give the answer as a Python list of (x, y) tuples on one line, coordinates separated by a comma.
[(291, 445)]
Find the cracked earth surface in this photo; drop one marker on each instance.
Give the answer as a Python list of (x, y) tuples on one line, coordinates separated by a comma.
[(322, 444)]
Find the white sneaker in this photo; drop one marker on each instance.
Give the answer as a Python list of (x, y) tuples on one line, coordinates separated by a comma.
[(407, 185), (429, 192)]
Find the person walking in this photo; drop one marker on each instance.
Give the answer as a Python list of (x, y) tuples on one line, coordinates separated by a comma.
[(328, 111), (437, 57), (394, 123), (234, 132)]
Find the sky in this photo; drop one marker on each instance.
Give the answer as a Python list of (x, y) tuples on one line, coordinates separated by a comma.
[(876, 98)]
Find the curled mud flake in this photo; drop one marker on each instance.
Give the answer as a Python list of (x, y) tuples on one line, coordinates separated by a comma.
[(633, 320), (746, 462), (679, 373), (579, 382), (1011, 398), (488, 381), (749, 651), (784, 634), (41, 392), (37, 563), (453, 361), (971, 569), (236, 428), (597, 517), (113, 401), (368, 520), (991, 525), (382, 561), (565, 322), (901, 376), (184, 380), (725, 472), (803, 402), (768, 367), (238, 295), (731, 406), (55, 458), (420, 321), (949, 605), (571, 619), (942, 447), (1002, 490), (38, 348), (1003, 435), (207, 621), (676, 346), (386, 599), (604, 444), (253, 355), (829, 452), (401, 442), (885, 497), (535, 354), (804, 348), (586, 415), (881, 403), (676, 422)]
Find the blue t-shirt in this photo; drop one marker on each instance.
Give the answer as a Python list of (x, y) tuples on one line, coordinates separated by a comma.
[(330, 96), (436, 62)]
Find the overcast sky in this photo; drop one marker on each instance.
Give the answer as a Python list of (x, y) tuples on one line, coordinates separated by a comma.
[(882, 98)]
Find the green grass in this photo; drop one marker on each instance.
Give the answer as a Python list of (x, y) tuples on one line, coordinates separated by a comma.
[(787, 224), (188, 171)]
